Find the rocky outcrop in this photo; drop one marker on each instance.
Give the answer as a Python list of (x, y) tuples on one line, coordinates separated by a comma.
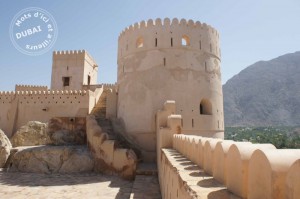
[(5, 147), (31, 134), (108, 157), (67, 131), (51, 159), (58, 131)]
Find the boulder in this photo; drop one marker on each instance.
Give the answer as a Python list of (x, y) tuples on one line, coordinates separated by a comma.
[(52, 159), (5, 147), (31, 134), (67, 131), (58, 131)]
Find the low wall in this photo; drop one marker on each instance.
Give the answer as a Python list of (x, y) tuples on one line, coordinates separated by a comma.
[(245, 170)]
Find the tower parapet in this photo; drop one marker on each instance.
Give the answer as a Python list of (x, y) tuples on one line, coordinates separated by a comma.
[(165, 33)]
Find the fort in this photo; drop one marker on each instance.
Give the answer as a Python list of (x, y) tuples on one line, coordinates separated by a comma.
[(165, 108)]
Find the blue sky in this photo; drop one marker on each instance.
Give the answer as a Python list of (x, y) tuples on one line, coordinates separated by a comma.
[(249, 31)]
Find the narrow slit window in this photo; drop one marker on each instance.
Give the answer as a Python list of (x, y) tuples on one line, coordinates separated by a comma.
[(210, 47), (193, 123), (205, 66), (155, 42), (171, 42), (89, 80), (165, 61)]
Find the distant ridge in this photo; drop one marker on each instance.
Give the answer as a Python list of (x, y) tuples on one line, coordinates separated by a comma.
[(266, 93)]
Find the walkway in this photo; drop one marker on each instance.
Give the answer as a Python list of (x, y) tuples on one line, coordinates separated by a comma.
[(87, 185)]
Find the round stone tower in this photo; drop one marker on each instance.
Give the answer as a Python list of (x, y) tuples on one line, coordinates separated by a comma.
[(170, 60)]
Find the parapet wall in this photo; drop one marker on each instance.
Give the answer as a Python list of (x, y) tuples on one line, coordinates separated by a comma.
[(199, 167), (42, 96), (73, 53), (30, 88), (169, 34), (247, 170), (69, 52)]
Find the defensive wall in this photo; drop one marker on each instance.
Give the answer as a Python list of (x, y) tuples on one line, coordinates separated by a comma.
[(198, 167), (30, 88), (170, 59), (19, 107)]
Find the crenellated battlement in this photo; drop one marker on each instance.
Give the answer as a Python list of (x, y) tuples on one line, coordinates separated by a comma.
[(30, 87), (166, 23), (69, 52), (169, 34), (5, 94), (83, 53), (106, 85), (49, 98)]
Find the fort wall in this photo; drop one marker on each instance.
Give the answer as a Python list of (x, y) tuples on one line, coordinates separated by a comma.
[(17, 108), (189, 166), (30, 88)]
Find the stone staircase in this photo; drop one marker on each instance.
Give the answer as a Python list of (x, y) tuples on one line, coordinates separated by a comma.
[(115, 131), (99, 111)]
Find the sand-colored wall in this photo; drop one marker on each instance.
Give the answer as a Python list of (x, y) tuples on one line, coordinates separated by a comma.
[(91, 69), (243, 169), (17, 108), (111, 104), (30, 88), (74, 64), (152, 74)]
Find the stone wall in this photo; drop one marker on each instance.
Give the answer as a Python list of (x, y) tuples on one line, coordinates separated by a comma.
[(74, 64), (30, 88), (227, 169), (17, 108)]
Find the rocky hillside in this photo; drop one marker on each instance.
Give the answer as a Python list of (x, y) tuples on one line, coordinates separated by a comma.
[(265, 93)]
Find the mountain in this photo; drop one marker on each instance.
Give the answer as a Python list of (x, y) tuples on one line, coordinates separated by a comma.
[(266, 93)]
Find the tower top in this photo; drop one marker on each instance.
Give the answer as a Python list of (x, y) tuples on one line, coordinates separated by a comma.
[(168, 23)]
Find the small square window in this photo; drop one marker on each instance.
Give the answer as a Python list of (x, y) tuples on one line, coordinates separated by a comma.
[(66, 81)]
